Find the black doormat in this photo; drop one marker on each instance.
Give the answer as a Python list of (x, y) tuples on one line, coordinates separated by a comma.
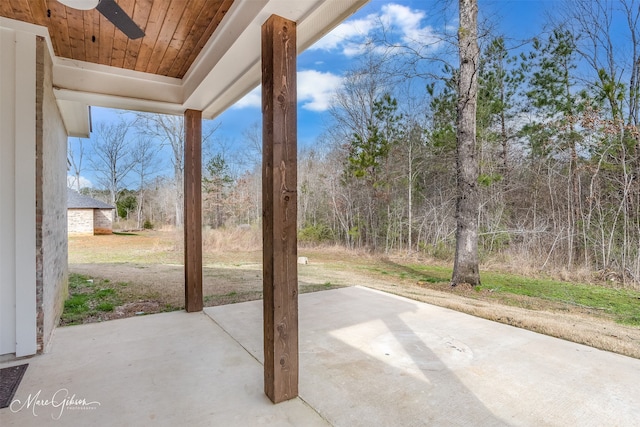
[(9, 381)]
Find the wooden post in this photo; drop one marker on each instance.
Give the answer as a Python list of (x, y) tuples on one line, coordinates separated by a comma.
[(279, 208), (193, 210)]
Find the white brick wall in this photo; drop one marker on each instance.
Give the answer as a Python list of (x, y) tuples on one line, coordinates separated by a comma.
[(80, 221), (54, 205)]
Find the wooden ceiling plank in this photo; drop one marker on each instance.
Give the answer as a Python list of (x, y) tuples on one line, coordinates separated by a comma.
[(167, 31), (75, 23), (213, 24), (21, 10), (141, 13), (91, 23), (120, 40), (118, 49), (6, 10), (183, 30), (154, 24), (39, 12), (175, 32), (206, 12), (59, 27), (105, 37)]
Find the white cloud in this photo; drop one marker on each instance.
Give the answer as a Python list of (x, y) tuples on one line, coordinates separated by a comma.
[(357, 29), (84, 182), (252, 99), (401, 24), (315, 90)]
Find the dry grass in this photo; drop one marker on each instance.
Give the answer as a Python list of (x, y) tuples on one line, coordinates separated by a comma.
[(524, 265), (236, 239)]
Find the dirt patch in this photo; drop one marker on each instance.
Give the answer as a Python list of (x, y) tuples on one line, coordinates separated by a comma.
[(222, 283)]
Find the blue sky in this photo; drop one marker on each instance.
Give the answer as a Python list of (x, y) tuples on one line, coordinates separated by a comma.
[(321, 67)]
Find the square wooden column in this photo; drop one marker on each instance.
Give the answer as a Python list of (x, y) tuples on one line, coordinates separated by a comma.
[(193, 210), (279, 208)]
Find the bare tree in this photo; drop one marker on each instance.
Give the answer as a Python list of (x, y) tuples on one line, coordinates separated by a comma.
[(252, 139), (169, 130), (465, 269), (75, 161), (144, 157), (112, 158)]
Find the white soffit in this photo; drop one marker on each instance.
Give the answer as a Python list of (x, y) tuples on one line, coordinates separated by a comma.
[(76, 118), (227, 68)]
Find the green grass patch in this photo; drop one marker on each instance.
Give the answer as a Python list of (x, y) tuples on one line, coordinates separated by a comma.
[(104, 293), (88, 298), (419, 273), (105, 306), (77, 304), (621, 305), (123, 233)]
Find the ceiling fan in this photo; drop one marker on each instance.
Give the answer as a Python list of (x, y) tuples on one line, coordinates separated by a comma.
[(111, 11)]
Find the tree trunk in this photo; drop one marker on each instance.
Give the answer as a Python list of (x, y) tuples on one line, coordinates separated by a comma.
[(465, 269)]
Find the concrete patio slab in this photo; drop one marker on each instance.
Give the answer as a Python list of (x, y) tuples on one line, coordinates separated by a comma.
[(373, 359), (367, 359), (170, 369)]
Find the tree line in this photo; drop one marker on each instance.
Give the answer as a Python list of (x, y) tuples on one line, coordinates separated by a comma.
[(556, 150)]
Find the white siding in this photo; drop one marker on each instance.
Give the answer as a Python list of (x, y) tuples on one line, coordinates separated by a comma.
[(17, 192)]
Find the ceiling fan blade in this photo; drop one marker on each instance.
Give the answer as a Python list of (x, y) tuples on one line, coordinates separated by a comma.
[(115, 14)]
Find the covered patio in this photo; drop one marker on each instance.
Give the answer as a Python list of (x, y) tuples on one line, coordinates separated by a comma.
[(194, 59), (348, 357), (367, 359)]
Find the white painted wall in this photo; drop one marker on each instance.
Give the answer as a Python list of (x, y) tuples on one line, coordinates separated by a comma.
[(17, 193)]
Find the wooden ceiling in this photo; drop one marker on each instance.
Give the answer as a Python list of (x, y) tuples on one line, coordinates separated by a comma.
[(175, 32)]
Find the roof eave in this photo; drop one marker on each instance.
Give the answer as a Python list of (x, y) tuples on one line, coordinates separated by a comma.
[(227, 68)]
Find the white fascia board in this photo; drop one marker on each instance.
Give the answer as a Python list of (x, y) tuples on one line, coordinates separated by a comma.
[(96, 79), (119, 102), (78, 85)]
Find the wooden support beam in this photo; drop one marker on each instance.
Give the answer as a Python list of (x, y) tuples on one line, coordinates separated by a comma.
[(279, 208), (193, 210)]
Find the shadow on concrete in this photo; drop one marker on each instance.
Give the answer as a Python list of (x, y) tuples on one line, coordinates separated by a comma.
[(362, 365)]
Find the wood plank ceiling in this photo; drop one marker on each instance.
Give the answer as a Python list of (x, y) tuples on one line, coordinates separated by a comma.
[(175, 32)]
